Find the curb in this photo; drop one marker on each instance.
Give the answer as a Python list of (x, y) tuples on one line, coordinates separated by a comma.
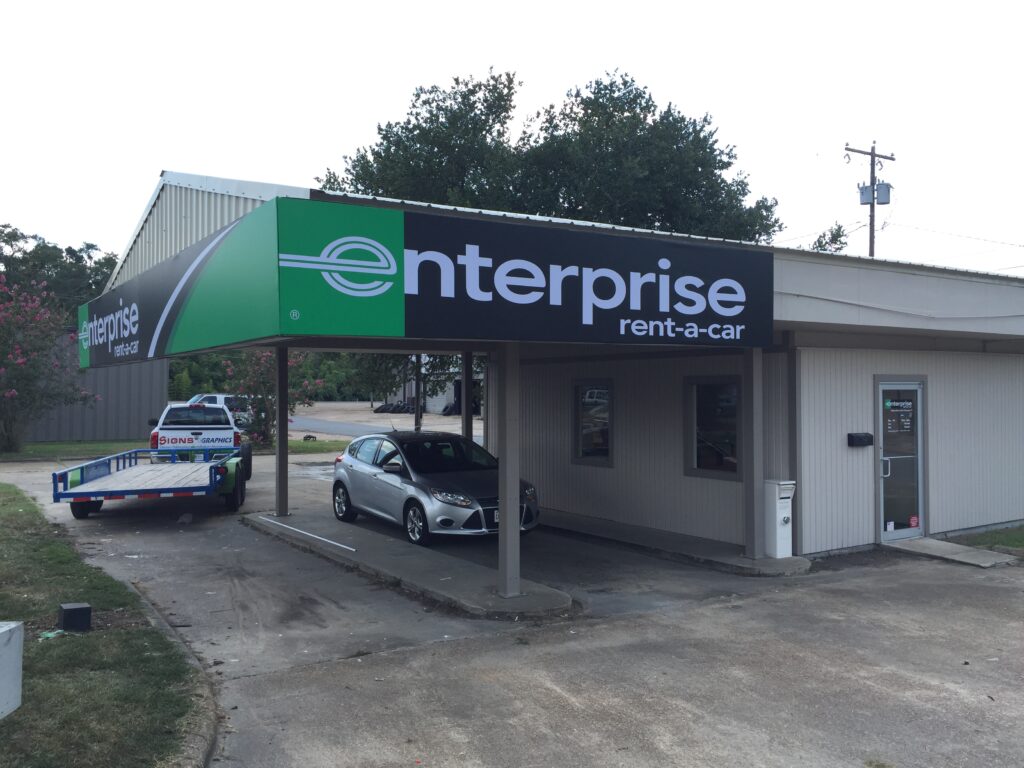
[(555, 605), (200, 725)]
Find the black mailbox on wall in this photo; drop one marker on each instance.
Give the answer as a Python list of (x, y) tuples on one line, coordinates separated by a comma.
[(859, 439)]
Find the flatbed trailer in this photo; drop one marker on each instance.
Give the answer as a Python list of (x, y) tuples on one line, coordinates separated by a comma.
[(148, 473)]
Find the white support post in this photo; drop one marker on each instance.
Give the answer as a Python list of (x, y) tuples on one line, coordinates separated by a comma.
[(508, 470), (282, 433)]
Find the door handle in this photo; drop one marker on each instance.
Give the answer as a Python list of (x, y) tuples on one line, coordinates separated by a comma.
[(887, 468)]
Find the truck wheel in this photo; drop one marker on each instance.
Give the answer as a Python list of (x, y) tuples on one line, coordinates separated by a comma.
[(234, 499), (82, 509), (245, 451)]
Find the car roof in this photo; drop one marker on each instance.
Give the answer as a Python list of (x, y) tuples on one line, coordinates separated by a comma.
[(412, 435)]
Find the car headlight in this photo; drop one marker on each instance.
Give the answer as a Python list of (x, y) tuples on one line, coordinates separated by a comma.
[(530, 493), (455, 499)]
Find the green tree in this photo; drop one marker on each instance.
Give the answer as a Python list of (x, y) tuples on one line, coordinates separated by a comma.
[(253, 372), (73, 275), (452, 148), (38, 361), (832, 240), (380, 375), (181, 386), (608, 153)]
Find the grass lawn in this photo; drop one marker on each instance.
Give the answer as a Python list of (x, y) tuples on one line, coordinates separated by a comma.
[(71, 451), (1004, 537), (115, 696), (317, 446)]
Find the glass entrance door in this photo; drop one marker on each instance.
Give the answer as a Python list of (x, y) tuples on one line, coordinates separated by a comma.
[(900, 465)]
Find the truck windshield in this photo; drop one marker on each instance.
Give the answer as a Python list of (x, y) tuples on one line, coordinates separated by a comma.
[(196, 417), (430, 457)]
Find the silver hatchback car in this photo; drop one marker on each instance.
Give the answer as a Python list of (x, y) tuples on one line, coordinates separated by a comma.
[(428, 482)]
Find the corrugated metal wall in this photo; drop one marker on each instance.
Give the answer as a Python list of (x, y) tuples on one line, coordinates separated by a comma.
[(974, 421), (180, 217), (646, 486), (130, 396)]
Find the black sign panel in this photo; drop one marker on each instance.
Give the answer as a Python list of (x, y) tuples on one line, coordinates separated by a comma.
[(133, 321), (521, 281)]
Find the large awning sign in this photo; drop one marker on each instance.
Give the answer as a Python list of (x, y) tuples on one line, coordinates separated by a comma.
[(318, 268)]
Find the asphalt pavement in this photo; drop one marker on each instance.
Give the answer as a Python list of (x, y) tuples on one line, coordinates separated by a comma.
[(876, 659), (331, 427)]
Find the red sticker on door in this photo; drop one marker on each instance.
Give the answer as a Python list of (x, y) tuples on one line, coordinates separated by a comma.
[(913, 521)]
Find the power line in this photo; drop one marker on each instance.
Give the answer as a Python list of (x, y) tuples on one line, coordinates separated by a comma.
[(817, 232), (954, 234)]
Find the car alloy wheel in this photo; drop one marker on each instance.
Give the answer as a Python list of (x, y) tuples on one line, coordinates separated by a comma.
[(343, 505), (416, 525)]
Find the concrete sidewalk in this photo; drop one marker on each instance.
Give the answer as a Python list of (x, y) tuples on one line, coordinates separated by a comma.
[(955, 553), (451, 581)]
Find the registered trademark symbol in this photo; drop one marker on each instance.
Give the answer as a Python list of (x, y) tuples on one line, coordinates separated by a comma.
[(294, 314)]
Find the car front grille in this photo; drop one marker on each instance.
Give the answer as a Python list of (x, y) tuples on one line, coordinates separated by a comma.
[(489, 516), (489, 507)]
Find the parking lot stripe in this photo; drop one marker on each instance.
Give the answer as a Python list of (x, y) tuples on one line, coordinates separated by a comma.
[(307, 533)]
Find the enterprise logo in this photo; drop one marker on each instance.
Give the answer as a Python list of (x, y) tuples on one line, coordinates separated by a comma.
[(520, 281), (121, 325), (333, 265)]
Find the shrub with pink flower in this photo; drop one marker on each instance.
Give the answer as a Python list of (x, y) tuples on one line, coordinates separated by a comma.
[(38, 361), (254, 374)]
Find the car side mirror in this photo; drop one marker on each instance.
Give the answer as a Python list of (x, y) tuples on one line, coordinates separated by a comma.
[(393, 468), (154, 422)]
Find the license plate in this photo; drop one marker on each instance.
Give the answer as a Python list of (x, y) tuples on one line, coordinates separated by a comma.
[(496, 517)]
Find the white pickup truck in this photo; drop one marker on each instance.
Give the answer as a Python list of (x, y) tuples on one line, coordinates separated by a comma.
[(199, 426)]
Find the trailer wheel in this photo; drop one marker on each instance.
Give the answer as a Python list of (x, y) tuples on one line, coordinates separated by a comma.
[(245, 451), (234, 499), (82, 509)]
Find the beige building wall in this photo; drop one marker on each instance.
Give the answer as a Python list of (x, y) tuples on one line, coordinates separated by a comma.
[(974, 422), (646, 485)]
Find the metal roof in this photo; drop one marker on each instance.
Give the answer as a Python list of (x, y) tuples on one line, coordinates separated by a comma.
[(262, 191)]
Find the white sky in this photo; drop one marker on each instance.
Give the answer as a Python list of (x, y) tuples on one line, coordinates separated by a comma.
[(101, 96)]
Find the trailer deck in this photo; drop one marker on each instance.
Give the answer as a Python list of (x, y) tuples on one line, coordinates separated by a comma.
[(124, 476), (151, 481)]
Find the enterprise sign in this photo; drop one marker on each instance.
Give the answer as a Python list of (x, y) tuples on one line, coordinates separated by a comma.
[(454, 277), (295, 268)]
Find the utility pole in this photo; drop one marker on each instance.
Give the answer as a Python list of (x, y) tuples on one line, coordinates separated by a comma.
[(873, 189)]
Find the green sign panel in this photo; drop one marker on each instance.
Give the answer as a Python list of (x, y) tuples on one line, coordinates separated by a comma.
[(340, 269)]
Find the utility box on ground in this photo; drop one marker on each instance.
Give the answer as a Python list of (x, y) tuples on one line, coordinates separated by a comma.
[(12, 640), (778, 508)]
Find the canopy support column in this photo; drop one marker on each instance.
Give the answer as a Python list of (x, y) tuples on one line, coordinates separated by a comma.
[(752, 447), (508, 470), (281, 406), (467, 395), (418, 394)]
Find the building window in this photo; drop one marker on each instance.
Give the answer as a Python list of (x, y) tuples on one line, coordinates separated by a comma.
[(593, 423), (713, 432)]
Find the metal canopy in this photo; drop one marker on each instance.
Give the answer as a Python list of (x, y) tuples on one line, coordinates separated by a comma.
[(363, 275)]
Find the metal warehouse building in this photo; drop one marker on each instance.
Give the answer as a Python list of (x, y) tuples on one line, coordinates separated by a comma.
[(889, 392)]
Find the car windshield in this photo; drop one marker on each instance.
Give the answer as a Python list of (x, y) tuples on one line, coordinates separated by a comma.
[(191, 416), (446, 454)]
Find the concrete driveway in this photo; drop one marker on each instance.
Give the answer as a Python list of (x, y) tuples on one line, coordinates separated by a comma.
[(874, 660)]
